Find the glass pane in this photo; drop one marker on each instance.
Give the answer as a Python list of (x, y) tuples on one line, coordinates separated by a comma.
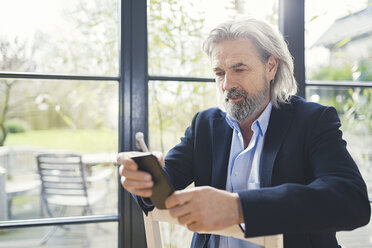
[(354, 106), (72, 236), (171, 108), (59, 36), (59, 118), (338, 40), (176, 30)]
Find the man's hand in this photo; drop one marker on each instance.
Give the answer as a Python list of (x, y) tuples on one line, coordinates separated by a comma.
[(205, 208), (134, 181)]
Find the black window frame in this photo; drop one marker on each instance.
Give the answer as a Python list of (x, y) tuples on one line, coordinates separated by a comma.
[(133, 81), (131, 77)]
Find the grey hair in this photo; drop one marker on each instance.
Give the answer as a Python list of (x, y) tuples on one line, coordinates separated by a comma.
[(268, 41)]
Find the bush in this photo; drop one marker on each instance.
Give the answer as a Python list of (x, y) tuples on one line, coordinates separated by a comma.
[(15, 126), (329, 73)]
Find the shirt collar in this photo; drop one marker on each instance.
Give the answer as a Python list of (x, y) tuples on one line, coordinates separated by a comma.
[(262, 121)]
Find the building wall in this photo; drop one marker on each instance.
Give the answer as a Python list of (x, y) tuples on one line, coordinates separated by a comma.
[(352, 52)]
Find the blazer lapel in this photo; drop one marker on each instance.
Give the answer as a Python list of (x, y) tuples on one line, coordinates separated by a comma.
[(276, 131), (222, 135)]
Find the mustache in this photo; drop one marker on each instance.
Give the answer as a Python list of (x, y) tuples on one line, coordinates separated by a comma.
[(233, 93)]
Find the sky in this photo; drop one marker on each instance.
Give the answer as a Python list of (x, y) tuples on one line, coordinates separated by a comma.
[(24, 17)]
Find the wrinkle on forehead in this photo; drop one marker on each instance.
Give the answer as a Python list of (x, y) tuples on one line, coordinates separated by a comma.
[(230, 52)]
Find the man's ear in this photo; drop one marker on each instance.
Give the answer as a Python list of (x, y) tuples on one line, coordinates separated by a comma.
[(272, 67)]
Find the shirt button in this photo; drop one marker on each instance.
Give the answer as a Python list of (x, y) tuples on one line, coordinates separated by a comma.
[(239, 134), (236, 173)]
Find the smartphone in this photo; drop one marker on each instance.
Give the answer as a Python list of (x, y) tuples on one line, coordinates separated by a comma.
[(162, 187)]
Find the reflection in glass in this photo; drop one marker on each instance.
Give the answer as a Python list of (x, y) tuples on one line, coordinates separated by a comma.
[(72, 236), (56, 117), (176, 30), (338, 40), (354, 106), (59, 36)]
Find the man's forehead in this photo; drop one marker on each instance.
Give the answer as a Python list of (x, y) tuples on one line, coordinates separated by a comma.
[(228, 61), (216, 65), (229, 53)]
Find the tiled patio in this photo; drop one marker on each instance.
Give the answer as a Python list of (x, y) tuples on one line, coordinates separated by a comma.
[(85, 235), (89, 236)]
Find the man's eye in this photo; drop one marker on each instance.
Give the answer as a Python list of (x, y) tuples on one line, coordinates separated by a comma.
[(219, 74), (239, 70)]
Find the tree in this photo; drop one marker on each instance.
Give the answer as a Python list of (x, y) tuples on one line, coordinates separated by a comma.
[(92, 48), (175, 35), (15, 56)]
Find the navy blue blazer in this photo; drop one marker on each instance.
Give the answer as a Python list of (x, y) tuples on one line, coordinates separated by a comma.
[(310, 185)]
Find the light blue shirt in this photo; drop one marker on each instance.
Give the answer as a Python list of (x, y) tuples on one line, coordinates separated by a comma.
[(244, 169)]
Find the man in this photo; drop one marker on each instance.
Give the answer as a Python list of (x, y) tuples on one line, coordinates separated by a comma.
[(273, 162)]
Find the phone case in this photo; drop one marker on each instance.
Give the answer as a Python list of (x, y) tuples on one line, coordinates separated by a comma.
[(162, 187)]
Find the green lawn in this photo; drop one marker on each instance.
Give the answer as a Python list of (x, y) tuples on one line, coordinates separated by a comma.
[(92, 141)]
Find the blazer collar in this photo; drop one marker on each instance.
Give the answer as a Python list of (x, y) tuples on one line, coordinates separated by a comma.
[(279, 123), (277, 129)]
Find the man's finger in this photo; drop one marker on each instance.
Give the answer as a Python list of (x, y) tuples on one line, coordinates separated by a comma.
[(132, 184), (120, 159), (160, 157), (136, 175), (130, 164), (194, 226), (180, 210), (187, 219), (178, 198), (142, 192)]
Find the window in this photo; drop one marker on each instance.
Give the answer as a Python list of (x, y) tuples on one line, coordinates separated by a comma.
[(338, 72), (181, 78), (59, 66), (65, 37), (66, 75), (180, 73)]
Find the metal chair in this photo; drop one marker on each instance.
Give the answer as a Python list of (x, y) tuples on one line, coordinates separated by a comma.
[(64, 183), (21, 177)]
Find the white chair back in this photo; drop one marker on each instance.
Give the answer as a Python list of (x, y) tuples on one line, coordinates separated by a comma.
[(154, 240)]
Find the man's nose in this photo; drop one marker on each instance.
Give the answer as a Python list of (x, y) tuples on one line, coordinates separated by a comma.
[(229, 82)]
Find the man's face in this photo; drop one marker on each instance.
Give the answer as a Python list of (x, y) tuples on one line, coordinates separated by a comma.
[(242, 78)]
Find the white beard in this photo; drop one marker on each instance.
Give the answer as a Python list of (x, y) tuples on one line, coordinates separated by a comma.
[(244, 109)]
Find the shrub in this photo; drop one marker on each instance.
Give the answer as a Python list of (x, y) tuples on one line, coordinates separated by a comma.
[(15, 126)]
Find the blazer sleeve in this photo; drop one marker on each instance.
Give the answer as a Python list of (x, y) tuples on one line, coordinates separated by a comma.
[(336, 198), (179, 161)]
